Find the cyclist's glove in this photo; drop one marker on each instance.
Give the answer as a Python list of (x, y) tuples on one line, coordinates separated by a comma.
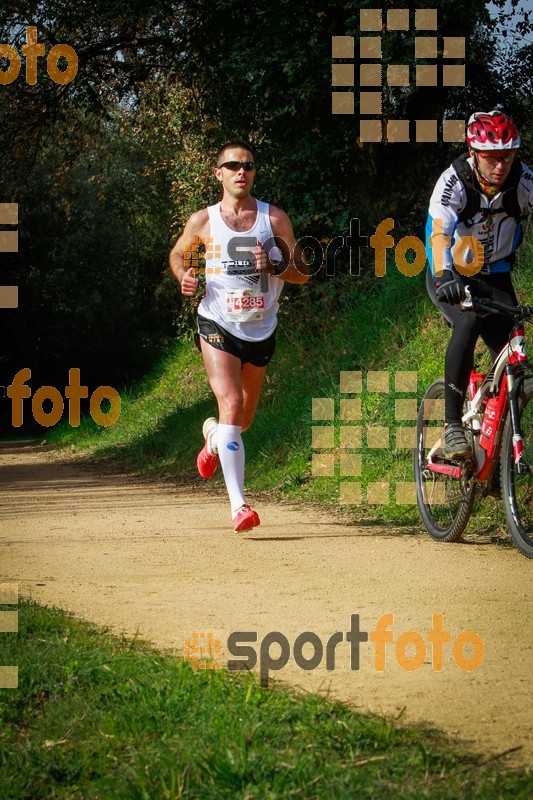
[(450, 288)]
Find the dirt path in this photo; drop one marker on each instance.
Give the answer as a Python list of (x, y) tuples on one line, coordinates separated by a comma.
[(163, 562)]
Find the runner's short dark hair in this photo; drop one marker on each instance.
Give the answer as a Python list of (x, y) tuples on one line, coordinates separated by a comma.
[(236, 144)]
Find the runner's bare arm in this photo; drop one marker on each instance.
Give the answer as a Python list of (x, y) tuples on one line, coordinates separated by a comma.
[(195, 228), (297, 269)]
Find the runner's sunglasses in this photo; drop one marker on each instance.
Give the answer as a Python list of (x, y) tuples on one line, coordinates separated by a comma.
[(236, 165)]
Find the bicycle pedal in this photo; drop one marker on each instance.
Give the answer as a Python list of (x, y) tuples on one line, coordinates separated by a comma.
[(439, 457)]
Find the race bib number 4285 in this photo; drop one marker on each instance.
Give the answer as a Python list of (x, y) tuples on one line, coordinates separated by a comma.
[(243, 305)]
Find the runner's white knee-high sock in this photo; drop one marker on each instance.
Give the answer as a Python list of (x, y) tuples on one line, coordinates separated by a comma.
[(231, 453)]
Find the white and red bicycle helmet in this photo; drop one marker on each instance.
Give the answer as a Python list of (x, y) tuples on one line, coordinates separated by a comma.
[(492, 130)]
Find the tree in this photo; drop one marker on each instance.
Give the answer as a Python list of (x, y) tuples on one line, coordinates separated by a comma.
[(107, 168)]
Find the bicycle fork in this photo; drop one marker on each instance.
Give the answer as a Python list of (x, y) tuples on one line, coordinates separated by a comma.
[(514, 385)]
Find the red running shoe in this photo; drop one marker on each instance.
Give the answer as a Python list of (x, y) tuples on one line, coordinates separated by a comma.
[(245, 519), (208, 460)]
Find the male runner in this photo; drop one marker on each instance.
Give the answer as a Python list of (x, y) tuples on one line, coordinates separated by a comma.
[(245, 269), (483, 194)]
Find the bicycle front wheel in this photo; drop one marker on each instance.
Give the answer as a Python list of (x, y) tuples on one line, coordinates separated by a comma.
[(517, 492), (444, 503)]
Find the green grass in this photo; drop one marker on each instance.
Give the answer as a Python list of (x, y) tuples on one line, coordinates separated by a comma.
[(96, 716), (340, 323)]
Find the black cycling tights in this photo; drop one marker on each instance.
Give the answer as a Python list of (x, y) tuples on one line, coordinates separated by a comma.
[(466, 328)]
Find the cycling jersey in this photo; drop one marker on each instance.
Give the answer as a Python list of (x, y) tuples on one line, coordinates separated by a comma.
[(499, 233), (238, 297)]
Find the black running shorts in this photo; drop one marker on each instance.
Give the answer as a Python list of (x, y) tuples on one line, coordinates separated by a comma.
[(256, 353)]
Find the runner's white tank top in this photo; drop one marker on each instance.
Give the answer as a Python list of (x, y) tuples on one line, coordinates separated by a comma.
[(238, 297)]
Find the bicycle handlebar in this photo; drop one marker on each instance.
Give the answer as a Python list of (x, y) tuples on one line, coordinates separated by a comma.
[(489, 306)]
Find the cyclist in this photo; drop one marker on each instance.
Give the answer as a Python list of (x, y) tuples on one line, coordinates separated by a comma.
[(245, 269), (482, 195)]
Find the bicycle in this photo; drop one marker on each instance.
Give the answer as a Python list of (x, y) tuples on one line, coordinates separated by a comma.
[(498, 420)]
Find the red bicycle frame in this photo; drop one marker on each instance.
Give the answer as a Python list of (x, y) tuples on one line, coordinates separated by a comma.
[(488, 406)]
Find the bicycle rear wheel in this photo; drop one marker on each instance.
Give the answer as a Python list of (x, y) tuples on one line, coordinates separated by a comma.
[(444, 503), (517, 491)]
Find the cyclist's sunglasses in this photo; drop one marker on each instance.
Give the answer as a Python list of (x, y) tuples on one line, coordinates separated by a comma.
[(493, 158), (247, 166)]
